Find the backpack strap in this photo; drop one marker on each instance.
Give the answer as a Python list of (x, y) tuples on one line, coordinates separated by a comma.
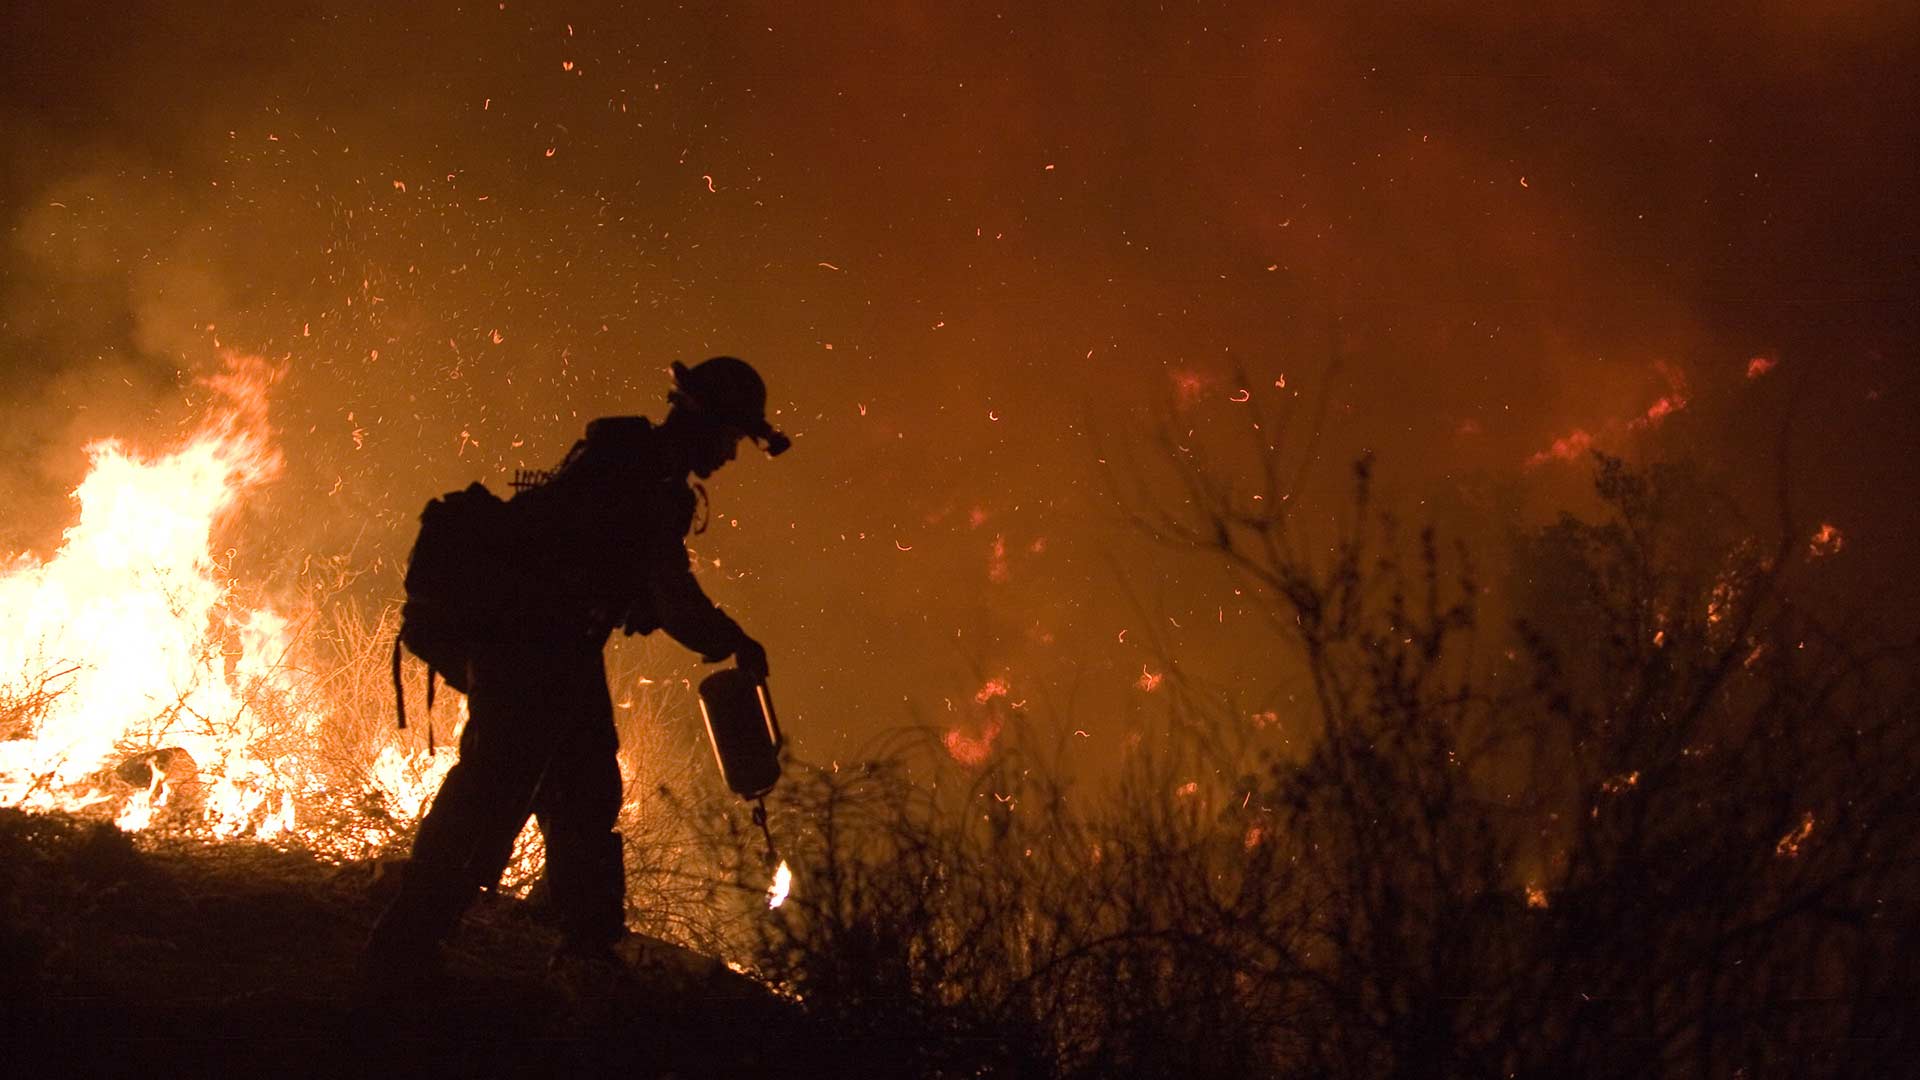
[(399, 695), (431, 677)]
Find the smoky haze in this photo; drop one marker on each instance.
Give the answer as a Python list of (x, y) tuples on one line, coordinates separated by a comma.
[(974, 255)]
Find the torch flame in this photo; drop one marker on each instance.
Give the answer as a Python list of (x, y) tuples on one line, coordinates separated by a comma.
[(782, 884)]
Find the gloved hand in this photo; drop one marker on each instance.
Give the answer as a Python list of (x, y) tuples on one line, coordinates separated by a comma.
[(751, 657)]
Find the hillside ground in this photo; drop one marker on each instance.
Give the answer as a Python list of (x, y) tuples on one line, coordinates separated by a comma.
[(120, 955)]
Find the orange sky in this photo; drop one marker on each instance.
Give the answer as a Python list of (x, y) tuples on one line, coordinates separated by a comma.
[(973, 254)]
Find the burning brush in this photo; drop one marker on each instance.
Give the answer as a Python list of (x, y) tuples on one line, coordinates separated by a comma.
[(137, 684)]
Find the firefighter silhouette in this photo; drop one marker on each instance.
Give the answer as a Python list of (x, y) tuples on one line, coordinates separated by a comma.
[(601, 545)]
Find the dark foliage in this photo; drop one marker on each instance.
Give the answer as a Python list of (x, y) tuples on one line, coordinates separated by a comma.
[(1664, 827)]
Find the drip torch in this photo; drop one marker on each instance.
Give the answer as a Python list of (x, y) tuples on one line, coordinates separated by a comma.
[(738, 710)]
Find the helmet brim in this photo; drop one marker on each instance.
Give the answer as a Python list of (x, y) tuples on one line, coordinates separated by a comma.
[(773, 442)]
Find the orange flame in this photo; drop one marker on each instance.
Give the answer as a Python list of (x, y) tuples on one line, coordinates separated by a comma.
[(1566, 448), (1789, 845), (1578, 441), (140, 623), (155, 691), (993, 688), (1827, 540), (972, 750), (997, 568), (1675, 399)]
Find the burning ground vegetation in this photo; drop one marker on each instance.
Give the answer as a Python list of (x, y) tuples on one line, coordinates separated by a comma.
[(1657, 821)]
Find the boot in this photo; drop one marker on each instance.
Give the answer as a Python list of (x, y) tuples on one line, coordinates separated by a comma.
[(589, 884), (594, 986), (403, 961)]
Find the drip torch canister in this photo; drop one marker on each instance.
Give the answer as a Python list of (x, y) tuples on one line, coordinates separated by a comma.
[(745, 733)]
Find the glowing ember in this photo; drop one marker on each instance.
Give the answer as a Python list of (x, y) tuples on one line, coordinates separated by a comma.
[(782, 884), (972, 749), (1621, 783), (1789, 845), (1577, 442), (969, 749), (1827, 540), (1673, 401), (1662, 409), (1189, 386), (1570, 446), (993, 688), (1720, 601), (1759, 366)]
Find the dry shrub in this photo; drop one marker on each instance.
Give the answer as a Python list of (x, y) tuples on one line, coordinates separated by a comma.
[(1671, 834), (373, 781)]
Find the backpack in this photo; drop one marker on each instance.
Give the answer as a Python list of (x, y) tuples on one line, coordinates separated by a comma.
[(456, 577)]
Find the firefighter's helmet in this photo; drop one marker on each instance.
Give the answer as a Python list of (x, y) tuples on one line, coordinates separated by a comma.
[(727, 389)]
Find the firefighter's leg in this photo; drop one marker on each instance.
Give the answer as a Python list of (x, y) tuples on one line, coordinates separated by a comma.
[(480, 808), (578, 806)]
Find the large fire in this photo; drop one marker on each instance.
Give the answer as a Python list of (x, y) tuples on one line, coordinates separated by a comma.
[(138, 683)]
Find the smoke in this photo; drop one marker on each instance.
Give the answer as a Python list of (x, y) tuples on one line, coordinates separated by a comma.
[(89, 345), (969, 251)]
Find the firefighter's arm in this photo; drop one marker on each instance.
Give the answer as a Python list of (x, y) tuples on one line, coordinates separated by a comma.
[(689, 617)]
